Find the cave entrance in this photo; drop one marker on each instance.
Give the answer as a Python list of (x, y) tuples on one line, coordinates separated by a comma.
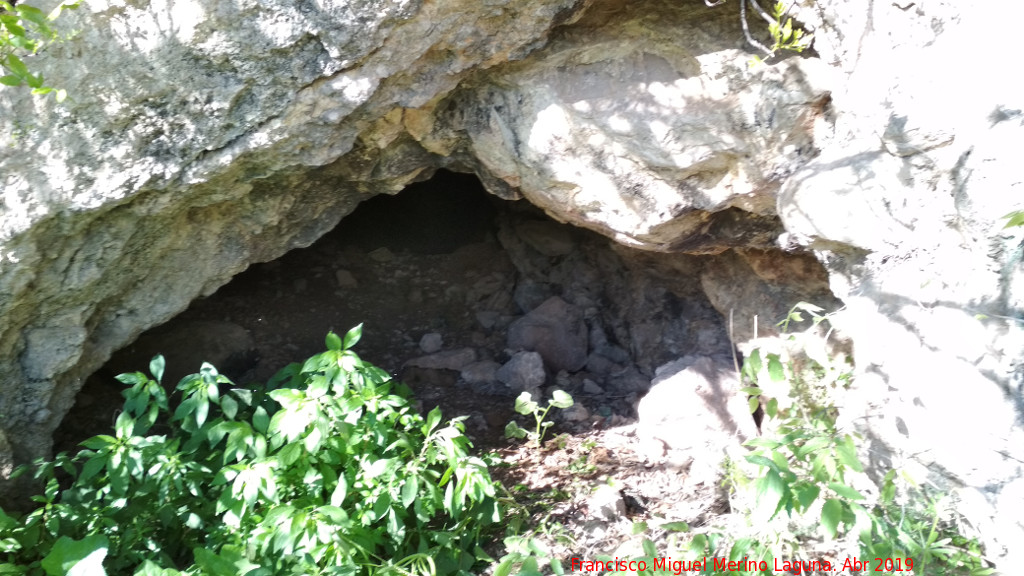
[(456, 290)]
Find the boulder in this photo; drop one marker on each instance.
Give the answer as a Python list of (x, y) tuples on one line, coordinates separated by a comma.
[(556, 331), (693, 413), (524, 371)]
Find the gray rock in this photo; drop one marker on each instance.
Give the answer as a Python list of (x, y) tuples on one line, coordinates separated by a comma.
[(186, 345), (431, 342), (546, 237), (628, 381), (591, 387), (601, 366), (382, 255), (524, 371), (555, 330), (446, 360), (483, 372), (529, 294), (607, 503), (575, 413), (487, 318), (345, 279)]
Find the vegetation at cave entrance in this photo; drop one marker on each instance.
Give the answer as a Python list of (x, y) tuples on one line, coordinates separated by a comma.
[(328, 469)]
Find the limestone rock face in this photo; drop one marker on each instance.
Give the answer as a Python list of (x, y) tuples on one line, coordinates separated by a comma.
[(905, 208), (202, 137)]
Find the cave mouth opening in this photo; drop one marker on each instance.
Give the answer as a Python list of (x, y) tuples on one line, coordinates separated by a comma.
[(455, 289)]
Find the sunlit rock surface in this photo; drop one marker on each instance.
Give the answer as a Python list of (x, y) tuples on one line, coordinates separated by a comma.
[(201, 137)]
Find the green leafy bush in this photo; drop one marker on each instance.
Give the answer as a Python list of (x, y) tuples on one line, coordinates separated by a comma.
[(327, 469), (806, 470)]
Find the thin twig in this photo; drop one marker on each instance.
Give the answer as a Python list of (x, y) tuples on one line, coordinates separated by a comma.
[(746, 28), (767, 17)]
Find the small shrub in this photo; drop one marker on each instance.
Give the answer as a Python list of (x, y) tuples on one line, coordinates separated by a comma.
[(802, 486), (526, 405), (325, 470)]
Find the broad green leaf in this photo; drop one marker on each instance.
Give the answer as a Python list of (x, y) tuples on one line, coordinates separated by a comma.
[(513, 430), (433, 419), (99, 442), (409, 490), (229, 406), (525, 404), (812, 445), (561, 399), (676, 526), (18, 67), (77, 557), (806, 494), (92, 467), (212, 564), (333, 341), (32, 14), (831, 513), (847, 453), (845, 491), (775, 369), (1014, 219), (202, 411), (763, 443), (699, 545), (124, 424), (649, 549), (753, 403), (761, 461), (770, 491), (740, 549), (156, 367), (352, 337), (260, 420), (752, 365)]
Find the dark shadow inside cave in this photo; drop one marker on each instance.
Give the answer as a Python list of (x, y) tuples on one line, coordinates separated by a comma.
[(452, 285)]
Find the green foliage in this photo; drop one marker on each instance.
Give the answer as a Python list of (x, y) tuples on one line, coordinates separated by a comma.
[(24, 31), (526, 405), (327, 469), (1014, 219), (808, 468), (784, 36)]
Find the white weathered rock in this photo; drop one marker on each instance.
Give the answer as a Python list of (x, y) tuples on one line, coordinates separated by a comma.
[(905, 209), (695, 410)]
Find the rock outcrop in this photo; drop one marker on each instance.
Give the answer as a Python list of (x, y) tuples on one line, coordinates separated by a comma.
[(202, 137)]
